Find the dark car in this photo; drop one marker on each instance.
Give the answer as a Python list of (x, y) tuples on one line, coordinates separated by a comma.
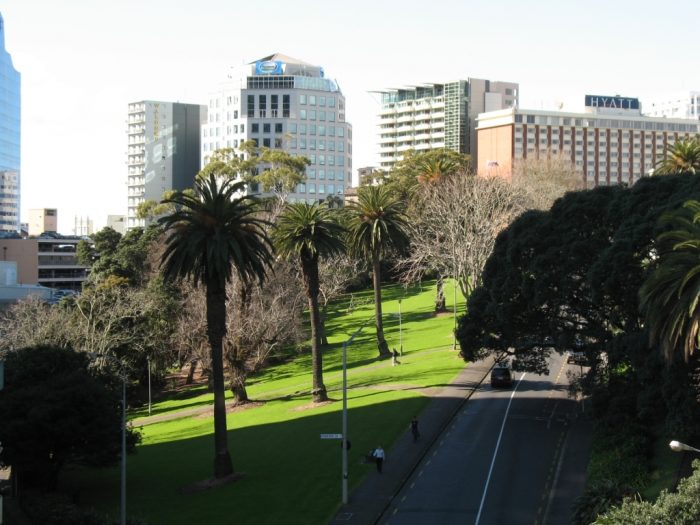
[(576, 358), (501, 376)]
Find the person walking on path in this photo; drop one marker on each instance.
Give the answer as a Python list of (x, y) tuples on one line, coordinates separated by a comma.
[(414, 429), (379, 457), (395, 358)]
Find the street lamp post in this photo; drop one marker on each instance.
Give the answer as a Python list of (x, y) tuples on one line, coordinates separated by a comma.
[(122, 518), (454, 311), (400, 331), (677, 446), (345, 424), (148, 361)]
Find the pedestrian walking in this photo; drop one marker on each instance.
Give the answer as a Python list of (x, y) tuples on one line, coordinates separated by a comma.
[(379, 457), (414, 429), (395, 358)]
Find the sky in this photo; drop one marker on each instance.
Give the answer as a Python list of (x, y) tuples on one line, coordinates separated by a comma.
[(83, 61)]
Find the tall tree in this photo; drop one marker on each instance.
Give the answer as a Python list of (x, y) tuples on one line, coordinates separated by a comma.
[(544, 179), (669, 298), (456, 222), (378, 225), (681, 157), (309, 232), (211, 234)]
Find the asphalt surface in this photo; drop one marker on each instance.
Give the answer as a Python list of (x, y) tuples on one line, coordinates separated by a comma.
[(503, 456)]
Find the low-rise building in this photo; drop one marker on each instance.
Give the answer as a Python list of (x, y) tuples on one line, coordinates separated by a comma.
[(48, 260)]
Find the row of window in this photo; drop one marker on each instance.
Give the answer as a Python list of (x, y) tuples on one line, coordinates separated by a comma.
[(311, 100), (321, 174), (607, 123), (311, 187), (312, 144)]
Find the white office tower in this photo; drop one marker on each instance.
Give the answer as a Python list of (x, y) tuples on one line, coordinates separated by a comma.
[(282, 103)]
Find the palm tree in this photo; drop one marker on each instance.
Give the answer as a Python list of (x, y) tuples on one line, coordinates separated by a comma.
[(682, 157), (377, 225), (211, 232), (669, 296), (431, 169), (308, 231)]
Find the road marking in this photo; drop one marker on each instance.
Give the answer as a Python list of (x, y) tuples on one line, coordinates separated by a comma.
[(495, 451), (556, 477)]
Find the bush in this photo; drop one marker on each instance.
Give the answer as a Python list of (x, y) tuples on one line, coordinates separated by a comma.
[(671, 508)]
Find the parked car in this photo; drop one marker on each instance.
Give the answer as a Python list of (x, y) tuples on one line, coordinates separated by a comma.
[(501, 376), (576, 358)]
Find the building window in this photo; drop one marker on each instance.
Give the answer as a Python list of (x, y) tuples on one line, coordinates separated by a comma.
[(262, 103), (255, 127), (312, 114), (312, 100), (278, 127), (302, 99), (292, 127), (266, 142), (266, 127), (331, 102), (285, 106), (274, 105), (302, 114), (251, 106)]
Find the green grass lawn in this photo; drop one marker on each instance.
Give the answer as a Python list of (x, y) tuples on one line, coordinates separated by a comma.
[(290, 475)]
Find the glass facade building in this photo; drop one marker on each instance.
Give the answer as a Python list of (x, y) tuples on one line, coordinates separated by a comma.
[(9, 139)]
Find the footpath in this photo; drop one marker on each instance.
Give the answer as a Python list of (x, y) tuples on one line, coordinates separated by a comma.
[(368, 501)]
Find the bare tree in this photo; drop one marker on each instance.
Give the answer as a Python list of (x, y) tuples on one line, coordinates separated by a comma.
[(546, 178), (456, 224), (266, 318), (33, 322)]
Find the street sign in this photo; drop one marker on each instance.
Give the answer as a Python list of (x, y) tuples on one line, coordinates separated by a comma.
[(331, 436)]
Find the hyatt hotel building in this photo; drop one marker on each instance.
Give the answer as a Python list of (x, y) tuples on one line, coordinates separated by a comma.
[(611, 143)]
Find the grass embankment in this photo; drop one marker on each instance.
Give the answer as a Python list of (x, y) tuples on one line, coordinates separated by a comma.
[(290, 474)]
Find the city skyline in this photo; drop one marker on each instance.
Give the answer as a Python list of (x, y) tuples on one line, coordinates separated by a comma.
[(82, 63)]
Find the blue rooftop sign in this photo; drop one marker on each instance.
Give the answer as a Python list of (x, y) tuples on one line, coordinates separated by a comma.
[(616, 102)]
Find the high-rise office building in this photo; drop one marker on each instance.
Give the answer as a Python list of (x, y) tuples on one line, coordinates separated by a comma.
[(9, 139), (42, 220), (432, 116), (164, 151), (283, 103)]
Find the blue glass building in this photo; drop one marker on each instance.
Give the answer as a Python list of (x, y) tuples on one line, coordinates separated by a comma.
[(9, 139)]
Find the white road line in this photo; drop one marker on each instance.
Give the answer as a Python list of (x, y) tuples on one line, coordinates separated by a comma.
[(555, 480), (495, 452)]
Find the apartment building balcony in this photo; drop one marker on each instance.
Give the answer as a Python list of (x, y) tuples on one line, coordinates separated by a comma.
[(137, 108), (387, 112), (408, 117)]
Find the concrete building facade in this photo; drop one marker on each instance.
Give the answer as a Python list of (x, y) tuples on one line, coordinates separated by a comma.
[(283, 103), (42, 220), (685, 106), (607, 145), (435, 116), (163, 151), (47, 260), (10, 103)]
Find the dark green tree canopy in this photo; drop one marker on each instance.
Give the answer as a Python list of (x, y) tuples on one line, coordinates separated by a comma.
[(54, 411), (569, 277), (222, 232)]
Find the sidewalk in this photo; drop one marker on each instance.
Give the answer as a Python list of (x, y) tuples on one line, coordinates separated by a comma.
[(368, 501)]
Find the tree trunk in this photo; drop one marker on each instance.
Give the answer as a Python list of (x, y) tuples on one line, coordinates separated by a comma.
[(309, 265), (237, 385), (322, 328), (377, 282), (440, 296), (190, 374), (216, 329)]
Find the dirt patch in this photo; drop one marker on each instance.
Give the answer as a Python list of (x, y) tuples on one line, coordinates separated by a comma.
[(312, 405), (230, 409), (443, 314), (211, 483)]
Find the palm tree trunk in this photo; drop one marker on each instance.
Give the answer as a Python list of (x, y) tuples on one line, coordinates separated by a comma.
[(310, 270), (216, 328), (377, 282)]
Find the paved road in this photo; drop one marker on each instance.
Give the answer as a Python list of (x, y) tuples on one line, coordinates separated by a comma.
[(508, 458)]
